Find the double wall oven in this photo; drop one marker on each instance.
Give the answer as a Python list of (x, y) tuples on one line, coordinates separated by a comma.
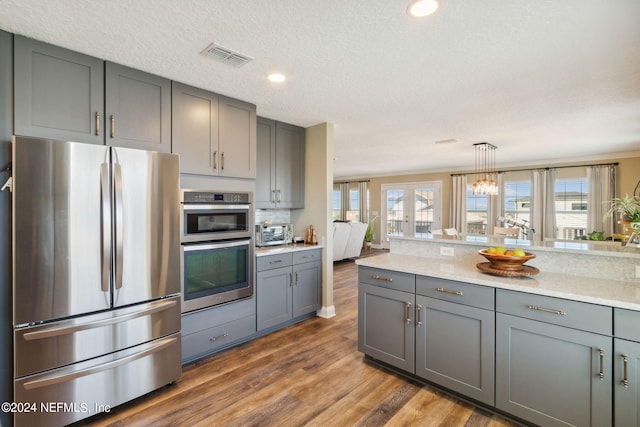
[(217, 248)]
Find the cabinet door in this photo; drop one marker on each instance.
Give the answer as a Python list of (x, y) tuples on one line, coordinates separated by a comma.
[(59, 93), (455, 347), (551, 375), (626, 365), (138, 109), (264, 197), (385, 325), (307, 279), (273, 294), (237, 140), (289, 166), (194, 128)]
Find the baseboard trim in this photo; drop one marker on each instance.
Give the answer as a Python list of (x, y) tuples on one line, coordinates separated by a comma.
[(327, 312)]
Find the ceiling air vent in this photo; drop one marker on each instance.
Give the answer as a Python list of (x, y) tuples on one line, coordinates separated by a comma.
[(223, 54)]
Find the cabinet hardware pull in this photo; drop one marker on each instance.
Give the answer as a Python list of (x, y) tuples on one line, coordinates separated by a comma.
[(547, 310), (625, 379), (222, 161), (290, 279), (447, 291), (275, 262), (296, 278), (212, 339), (273, 196), (386, 279), (408, 307), (601, 373), (113, 125), (278, 198), (215, 160), (419, 315), (97, 124), (308, 256)]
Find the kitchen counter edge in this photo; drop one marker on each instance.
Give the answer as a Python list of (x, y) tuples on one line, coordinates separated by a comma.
[(273, 250)]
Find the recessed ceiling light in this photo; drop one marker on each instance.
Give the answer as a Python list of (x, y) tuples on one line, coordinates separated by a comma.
[(422, 8), (276, 77)]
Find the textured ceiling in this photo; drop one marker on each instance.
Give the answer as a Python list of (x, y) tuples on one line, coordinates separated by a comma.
[(544, 80)]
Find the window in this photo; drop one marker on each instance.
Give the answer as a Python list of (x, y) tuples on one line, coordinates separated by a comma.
[(517, 199), (411, 209), (571, 208), (336, 202), (477, 212)]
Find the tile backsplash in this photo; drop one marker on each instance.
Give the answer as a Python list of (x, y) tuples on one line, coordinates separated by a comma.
[(276, 216)]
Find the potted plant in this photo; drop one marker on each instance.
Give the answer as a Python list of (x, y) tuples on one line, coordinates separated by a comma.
[(368, 235), (627, 208)]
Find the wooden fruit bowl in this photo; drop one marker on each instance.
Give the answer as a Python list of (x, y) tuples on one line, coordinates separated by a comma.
[(506, 262)]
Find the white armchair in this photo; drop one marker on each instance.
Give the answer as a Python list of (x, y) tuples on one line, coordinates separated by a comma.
[(347, 239)]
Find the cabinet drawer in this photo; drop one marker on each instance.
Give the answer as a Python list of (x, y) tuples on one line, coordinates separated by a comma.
[(269, 262), (211, 339), (388, 279), (208, 318), (458, 292), (563, 312), (625, 324), (307, 256)]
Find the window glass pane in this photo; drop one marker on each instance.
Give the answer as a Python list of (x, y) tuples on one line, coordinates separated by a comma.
[(423, 206), (571, 208), (476, 212), (395, 212), (517, 199), (336, 204)]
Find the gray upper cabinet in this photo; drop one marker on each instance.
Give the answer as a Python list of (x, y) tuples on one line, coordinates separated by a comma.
[(195, 129), (138, 109), (281, 169), (214, 135), (237, 138), (59, 93)]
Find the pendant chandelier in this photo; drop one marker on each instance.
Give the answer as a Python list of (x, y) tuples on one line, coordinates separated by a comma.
[(486, 182)]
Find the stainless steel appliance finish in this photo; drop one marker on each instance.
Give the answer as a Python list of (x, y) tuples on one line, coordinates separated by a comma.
[(210, 215), (96, 282), (216, 273), (217, 248), (274, 234)]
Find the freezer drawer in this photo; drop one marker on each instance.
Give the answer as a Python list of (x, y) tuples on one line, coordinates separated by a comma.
[(66, 395), (48, 346)]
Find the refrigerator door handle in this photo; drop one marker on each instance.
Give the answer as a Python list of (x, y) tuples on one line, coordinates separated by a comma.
[(68, 330), (105, 210), (57, 379), (119, 229)]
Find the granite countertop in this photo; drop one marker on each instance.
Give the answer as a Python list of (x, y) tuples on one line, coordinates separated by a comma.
[(615, 293), (294, 247)]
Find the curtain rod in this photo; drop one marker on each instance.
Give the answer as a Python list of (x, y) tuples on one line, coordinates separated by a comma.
[(544, 168), (349, 182)]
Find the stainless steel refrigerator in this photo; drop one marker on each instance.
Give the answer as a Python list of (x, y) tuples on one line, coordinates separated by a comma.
[(96, 277)]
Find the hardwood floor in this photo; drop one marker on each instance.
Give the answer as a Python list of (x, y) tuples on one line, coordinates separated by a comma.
[(309, 374)]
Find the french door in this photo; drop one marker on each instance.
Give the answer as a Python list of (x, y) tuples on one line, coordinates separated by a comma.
[(411, 210)]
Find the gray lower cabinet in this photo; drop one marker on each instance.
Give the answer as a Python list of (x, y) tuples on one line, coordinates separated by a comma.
[(287, 286), (626, 368), (213, 135), (281, 165), (209, 330), (138, 109), (59, 93), (386, 307), (455, 330), (547, 372)]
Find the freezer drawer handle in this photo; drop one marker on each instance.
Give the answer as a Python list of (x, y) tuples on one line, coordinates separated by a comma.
[(66, 330), (57, 379)]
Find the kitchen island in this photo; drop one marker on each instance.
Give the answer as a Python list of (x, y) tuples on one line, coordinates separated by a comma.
[(556, 348)]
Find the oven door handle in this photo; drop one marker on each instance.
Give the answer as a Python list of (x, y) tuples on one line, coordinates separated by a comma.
[(208, 245)]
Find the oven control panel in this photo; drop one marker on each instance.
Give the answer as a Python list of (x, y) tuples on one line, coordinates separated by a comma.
[(212, 197)]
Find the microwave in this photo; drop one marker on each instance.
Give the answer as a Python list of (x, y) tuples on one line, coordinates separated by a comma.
[(274, 234)]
